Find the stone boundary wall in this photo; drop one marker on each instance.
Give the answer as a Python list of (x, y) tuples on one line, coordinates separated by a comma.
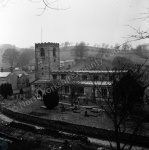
[(76, 129)]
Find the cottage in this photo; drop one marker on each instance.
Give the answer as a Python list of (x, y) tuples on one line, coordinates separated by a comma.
[(4, 77), (23, 78), (23, 81), (18, 79), (12, 78)]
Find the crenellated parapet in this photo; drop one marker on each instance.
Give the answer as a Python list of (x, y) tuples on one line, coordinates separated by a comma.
[(46, 44), (47, 58)]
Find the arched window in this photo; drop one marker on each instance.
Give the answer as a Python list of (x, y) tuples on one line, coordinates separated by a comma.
[(42, 52), (54, 52)]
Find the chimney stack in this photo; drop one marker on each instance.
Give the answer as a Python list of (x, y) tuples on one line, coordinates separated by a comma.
[(2, 69), (11, 69)]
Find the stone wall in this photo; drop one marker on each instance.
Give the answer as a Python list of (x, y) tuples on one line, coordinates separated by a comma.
[(74, 128)]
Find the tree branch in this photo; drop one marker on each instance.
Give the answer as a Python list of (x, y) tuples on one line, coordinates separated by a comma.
[(47, 4)]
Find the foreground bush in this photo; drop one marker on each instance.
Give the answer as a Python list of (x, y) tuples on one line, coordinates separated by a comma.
[(51, 99)]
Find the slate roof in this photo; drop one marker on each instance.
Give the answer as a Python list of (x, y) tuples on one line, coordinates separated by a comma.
[(104, 83), (18, 72), (85, 83), (4, 74), (89, 71)]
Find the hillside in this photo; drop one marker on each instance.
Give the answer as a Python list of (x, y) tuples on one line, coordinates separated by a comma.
[(132, 56), (66, 54), (93, 51)]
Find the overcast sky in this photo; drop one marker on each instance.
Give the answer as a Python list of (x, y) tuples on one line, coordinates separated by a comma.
[(91, 21)]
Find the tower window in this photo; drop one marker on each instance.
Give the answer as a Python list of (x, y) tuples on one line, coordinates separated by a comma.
[(54, 52), (66, 89), (104, 92), (54, 76), (84, 77), (63, 76), (95, 78), (54, 59), (81, 90), (42, 52)]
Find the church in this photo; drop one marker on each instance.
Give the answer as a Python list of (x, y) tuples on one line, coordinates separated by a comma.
[(88, 83)]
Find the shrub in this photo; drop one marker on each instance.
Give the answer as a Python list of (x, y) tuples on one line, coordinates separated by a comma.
[(51, 99), (6, 90)]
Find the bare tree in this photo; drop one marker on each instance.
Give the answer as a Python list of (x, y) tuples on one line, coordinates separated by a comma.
[(126, 46), (101, 52), (25, 56), (121, 63), (104, 45), (116, 46), (10, 56), (80, 51), (142, 51), (140, 33), (75, 87), (47, 4), (125, 93)]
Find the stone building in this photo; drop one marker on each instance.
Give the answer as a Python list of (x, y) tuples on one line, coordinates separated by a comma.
[(17, 78), (90, 83), (4, 77), (47, 59), (23, 81), (13, 80)]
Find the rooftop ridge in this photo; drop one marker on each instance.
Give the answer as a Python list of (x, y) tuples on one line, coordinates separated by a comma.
[(90, 71)]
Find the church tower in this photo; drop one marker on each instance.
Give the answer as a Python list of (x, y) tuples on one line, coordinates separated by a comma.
[(47, 59)]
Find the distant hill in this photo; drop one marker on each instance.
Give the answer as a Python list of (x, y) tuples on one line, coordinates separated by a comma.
[(66, 54), (132, 56), (93, 52)]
